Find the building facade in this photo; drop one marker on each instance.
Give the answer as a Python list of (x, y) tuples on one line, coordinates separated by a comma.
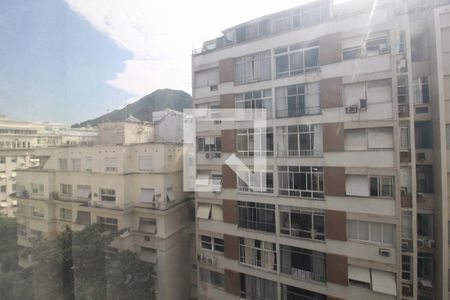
[(354, 202), (18, 139), (124, 181)]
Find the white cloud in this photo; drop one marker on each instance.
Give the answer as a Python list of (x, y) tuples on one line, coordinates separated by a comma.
[(162, 33)]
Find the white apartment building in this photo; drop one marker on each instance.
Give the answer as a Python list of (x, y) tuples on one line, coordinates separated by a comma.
[(129, 180), (18, 139), (354, 204)]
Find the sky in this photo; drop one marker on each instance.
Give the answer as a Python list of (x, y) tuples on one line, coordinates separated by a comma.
[(71, 60)]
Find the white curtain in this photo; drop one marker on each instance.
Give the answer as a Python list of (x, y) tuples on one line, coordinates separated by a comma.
[(379, 91), (381, 138), (355, 139), (353, 93)]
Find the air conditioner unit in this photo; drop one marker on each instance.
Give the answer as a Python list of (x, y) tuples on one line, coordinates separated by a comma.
[(384, 252), (207, 155), (217, 155), (430, 244), (363, 104), (217, 122), (353, 109), (405, 246), (213, 88)]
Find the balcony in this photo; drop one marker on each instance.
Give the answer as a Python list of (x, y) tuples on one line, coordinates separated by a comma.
[(403, 110)]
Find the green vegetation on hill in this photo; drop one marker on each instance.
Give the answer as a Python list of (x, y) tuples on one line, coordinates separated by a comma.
[(143, 108)]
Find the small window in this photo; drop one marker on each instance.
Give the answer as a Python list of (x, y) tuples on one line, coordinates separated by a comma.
[(62, 163), (76, 164), (145, 163), (37, 212), (381, 186), (37, 188), (65, 214), (108, 195), (66, 189), (111, 164), (147, 225), (84, 191)]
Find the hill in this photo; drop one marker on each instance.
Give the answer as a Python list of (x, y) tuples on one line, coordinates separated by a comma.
[(143, 108)]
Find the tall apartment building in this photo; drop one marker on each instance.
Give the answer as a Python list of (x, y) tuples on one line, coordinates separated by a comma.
[(18, 139), (354, 203), (130, 180)]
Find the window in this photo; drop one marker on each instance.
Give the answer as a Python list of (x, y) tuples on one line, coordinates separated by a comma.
[(210, 212), (207, 78), (109, 223), (149, 255), (3, 189), (37, 188), (147, 195), (297, 59), (406, 224), (66, 189), (304, 182), (88, 164), (419, 47), (351, 53), (37, 212), (62, 163), (111, 164), (300, 140), (421, 90), (377, 233), (211, 243), (65, 214), (406, 267), (83, 191), (211, 277), (303, 264), (252, 30), (209, 144), (255, 181), (425, 266), (258, 253), (302, 222), (108, 195), (83, 218), (145, 163), (2, 160), (258, 288), (76, 164), (255, 101), (291, 293), (424, 135), (252, 68), (424, 174), (381, 186), (255, 142), (147, 225), (425, 224), (404, 138), (375, 280), (357, 47), (297, 100), (257, 216)]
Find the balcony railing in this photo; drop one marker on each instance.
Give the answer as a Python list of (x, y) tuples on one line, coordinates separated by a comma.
[(298, 112)]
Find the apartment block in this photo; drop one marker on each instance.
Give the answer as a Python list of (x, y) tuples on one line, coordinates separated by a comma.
[(129, 180), (18, 139), (353, 203)]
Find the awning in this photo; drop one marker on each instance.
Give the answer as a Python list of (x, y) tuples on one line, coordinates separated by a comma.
[(203, 211), (384, 282), (359, 273), (170, 194)]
